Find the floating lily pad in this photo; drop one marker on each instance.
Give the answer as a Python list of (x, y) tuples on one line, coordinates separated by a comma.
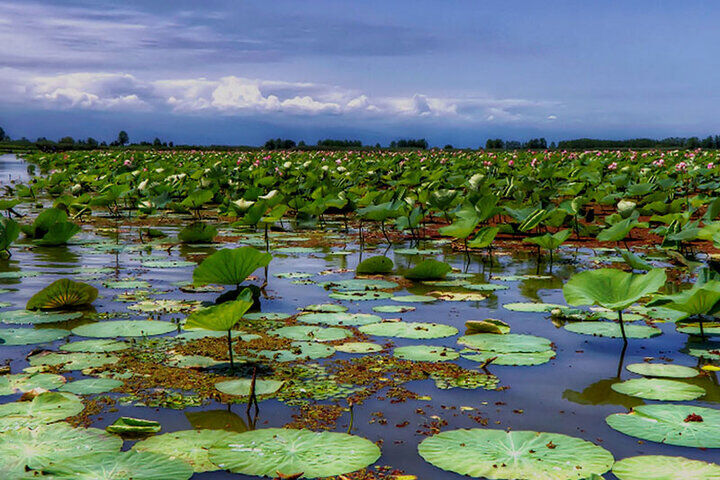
[(192, 361), (167, 264), (660, 467), (296, 250), (458, 297), (38, 447), (393, 308), (317, 454), (10, 384), (525, 359), (709, 350), (299, 351), (90, 386), (341, 318), (190, 446), (533, 307), (30, 336), (20, 274), (413, 298), (662, 370), (121, 466), (416, 330), (490, 325), (165, 306), (45, 408), (241, 387), (356, 284), (709, 328), (426, 353), (72, 361), (95, 346), (683, 425), (293, 275), (486, 287), (359, 347), (17, 317), (612, 330), (417, 251), (202, 333), (124, 328), (306, 332), (325, 308), (659, 389), (266, 316), (135, 426), (508, 343), (360, 295), (515, 455)]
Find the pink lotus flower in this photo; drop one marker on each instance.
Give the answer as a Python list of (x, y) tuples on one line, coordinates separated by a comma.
[(612, 166), (681, 167)]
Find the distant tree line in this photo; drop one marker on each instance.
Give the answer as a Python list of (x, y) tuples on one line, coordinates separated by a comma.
[(532, 144), (330, 143), (670, 142)]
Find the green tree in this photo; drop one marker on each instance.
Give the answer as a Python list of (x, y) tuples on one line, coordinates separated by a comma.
[(2, 134), (123, 137)]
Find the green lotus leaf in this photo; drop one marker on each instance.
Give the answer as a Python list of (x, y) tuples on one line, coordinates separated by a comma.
[(135, 426), (59, 234), (660, 467), (72, 361), (356, 284), (221, 317), (374, 266), (230, 266), (484, 237), (524, 359), (359, 347), (508, 343), (126, 284), (662, 370), (299, 351), (515, 455), (325, 308), (533, 307), (550, 241), (241, 387), (47, 407), (307, 332), (682, 425), (266, 316), (30, 336), (63, 293), (38, 447), (360, 295), (659, 389), (9, 232), (612, 330), (198, 334), (167, 263), (486, 287), (120, 466), (611, 288), (124, 328), (415, 330), (393, 308), (712, 328), (90, 386), (490, 325), (429, 269), (10, 384), (17, 317), (268, 451), (292, 275), (354, 319), (413, 298), (198, 232), (426, 353), (191, 446), (95, 346)]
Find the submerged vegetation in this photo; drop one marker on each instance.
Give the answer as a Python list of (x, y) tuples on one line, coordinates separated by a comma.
[(306, 314)]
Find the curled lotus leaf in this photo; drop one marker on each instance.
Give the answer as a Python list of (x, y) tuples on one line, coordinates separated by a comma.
[(230, 266), (63, 293)]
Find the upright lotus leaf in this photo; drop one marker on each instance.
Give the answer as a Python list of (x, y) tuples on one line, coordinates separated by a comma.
[(550, 241), (59, 234), (484, 237), (63, 294), (515, 455), (269, 451), (635, 262), (36, 448), (230, 266), (9, 232), (120, 466), (222, 317), (612, 288), (660, 467), (375, 265), (197, 232), (429, 269), (701, 300), (466, 219), (683, 425), (618, 231)]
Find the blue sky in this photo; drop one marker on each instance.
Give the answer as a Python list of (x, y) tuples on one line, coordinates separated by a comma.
[(459, 71)]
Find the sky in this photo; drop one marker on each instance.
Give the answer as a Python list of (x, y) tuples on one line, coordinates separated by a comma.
[(457, 71)]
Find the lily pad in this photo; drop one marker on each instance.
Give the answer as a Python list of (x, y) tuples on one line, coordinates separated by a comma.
[(190, 446), (660, 467), (524, 359), (124, 328), (167, 264), (360, 295), (165, 306), (667, 370), (359, 347), (515, 455), (316, 454), (508, 343), (91, 386), (356, 284), (325, 308), (416, 330), (266, 316), (299, 351), (612, 330), (30, 336), (426, 353), (354, 319), (659, 389), (533, 307), (18, 317), (306, 332), (682, 425), (47, 407), (126, 284), (711, 328), (241, 387), (72, 361), (10, 384), (38, 447), (413, 298), (486, 287), (135, 426), (95, 346), (490, 325), (393, 308), (121, 466), (458, 297)]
